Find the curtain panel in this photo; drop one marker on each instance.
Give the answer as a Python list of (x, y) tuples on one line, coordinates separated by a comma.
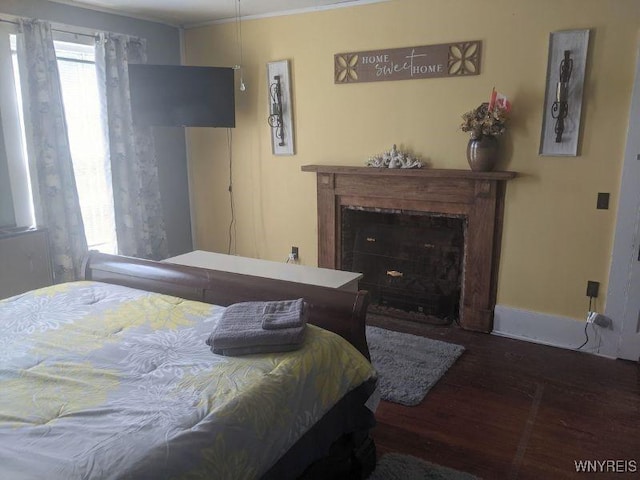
[(139, 218), (55, 195)]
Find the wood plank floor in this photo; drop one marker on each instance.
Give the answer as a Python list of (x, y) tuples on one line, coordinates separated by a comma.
[(509, 409)]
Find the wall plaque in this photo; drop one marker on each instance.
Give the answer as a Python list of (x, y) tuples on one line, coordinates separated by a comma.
[(428, 61), (560, 132)]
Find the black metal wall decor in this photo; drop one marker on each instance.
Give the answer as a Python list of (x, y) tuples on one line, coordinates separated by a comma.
[(563, 96), (280, 117), (560, 108), (275, 110)]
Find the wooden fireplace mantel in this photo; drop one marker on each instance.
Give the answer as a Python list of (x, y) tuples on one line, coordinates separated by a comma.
[(478, 197), (409, 172)]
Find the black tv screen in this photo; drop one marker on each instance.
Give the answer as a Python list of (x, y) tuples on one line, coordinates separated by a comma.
[(182, 96)]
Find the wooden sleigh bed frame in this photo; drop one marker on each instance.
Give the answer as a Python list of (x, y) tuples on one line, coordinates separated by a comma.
[(338, 446)]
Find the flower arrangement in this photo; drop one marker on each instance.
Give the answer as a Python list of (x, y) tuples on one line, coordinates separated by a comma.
[(487, 119)]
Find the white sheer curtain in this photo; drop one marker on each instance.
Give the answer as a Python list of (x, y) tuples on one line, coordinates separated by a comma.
[(136, 193), (53, 183)]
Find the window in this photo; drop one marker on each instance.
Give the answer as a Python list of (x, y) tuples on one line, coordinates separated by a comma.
[(81, 98), (13, 135), (87, 142)]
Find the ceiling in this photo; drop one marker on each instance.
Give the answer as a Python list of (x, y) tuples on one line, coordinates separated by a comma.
[(193, 12)]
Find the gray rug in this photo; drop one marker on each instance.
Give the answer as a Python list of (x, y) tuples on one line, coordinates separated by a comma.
[(408, 365), (395, 466)]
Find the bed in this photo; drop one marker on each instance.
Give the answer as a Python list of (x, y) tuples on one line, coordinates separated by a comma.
[(110, 377)]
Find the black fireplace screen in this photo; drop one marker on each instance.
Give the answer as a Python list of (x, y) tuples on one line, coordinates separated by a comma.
[(412, 262)]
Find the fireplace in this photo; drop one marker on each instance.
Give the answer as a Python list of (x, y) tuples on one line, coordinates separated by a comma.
[(474, 198), (411, 261)]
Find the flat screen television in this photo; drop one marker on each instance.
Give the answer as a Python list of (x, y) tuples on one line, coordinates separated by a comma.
[(182, 96)]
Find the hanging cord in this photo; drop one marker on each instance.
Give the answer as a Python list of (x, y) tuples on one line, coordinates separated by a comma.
[(586, 334), (239, 42), (232, 224)]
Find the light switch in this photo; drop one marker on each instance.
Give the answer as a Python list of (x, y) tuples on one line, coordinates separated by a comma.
[(603, 201)]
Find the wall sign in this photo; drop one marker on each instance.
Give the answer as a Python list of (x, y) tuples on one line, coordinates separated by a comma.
[(428, 61)]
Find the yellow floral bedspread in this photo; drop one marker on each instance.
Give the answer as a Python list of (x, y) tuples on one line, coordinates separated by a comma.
[(103, 381)]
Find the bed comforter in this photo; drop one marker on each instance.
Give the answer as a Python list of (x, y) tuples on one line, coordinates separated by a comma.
[(103, 381)]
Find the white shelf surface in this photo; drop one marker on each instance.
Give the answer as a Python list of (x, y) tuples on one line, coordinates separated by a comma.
[(290, 272)]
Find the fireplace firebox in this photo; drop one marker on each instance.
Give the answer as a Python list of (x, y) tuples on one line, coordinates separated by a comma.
[(476, 198), (411, 261)]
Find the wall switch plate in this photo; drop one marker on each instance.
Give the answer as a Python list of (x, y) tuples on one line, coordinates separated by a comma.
[(603, 201), (592, 288)]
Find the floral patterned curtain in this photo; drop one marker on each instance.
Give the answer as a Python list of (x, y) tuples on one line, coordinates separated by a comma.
[(134, 169), (56, 202)]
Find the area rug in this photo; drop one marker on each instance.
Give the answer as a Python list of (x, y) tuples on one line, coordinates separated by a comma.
[(395, 466), (408, 365)]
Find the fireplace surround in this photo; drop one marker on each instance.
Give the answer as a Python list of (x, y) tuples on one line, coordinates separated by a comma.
[(478, 197)]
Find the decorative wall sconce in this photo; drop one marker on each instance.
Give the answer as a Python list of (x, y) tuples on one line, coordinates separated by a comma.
[(280, 109), (275, 112), (560, 108), (563, 97)]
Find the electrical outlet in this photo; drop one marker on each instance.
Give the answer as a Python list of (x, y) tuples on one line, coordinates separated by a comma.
[(293, 255), (592, 289)]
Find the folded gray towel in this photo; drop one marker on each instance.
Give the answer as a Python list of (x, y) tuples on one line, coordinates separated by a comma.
[(284, 314), (240, 326), (238, 351)]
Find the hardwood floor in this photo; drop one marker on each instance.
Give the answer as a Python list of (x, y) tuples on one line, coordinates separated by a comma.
[(509, 409)]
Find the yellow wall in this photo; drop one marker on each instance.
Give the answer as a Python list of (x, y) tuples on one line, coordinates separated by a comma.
[(554, 238)]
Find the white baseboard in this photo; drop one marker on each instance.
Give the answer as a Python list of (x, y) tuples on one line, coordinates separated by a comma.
[(546, 329)]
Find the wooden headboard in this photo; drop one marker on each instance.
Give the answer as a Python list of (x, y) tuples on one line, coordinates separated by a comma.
[(339, 311)]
